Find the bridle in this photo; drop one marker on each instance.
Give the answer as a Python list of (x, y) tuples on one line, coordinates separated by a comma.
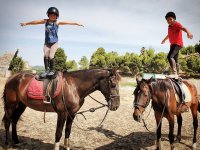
[(137, 104), (108, 99), (111, 87)]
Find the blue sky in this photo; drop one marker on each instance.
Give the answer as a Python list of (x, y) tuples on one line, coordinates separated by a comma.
[(115, 25)]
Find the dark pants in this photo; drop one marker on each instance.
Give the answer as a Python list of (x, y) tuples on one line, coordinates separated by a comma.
[(173, 57)]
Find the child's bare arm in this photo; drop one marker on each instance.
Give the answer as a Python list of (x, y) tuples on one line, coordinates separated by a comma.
[(163, 41), (69, 23), (33, 22), (189, 34)]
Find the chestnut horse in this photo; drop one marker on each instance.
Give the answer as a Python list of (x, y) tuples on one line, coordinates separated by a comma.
[(160, 92), (75, 87)]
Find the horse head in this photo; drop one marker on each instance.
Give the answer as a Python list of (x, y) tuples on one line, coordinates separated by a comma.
[(109, 87), (142, 98)]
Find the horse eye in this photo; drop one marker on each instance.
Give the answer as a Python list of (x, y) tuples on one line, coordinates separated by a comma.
[(113, 84)]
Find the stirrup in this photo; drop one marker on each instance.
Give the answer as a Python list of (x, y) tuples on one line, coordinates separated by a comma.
[(45, 100)]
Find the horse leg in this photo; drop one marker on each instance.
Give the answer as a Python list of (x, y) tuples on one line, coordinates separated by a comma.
[(170, 119), (7, 120), (68, 131), (60, 123), (15, 117), (179, 120), (195, 125), (158, 131)]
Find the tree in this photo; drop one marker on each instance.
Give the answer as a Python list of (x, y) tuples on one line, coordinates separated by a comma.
[(111, 59), (60, 60), (159, 62), (16, 65), (146, 60), (84, 63), (98, 59), (193, 64), (188, 50), (197, 47), (71, 65), (135, 64)]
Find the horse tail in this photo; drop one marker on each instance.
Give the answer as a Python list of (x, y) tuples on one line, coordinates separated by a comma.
[(4, 103), (4, 96)]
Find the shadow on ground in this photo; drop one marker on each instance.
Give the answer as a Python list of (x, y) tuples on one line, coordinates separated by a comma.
[(27, 143), (133, 141)]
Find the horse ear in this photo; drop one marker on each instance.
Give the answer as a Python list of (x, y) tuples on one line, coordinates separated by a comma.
[(115, 71), (138, 78)]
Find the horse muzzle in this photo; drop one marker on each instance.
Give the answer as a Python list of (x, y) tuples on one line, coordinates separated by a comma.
[(137, 115), (113, 103)]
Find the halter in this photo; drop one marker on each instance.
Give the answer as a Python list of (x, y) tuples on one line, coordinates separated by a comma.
[(137, 105), (110, 87), (144, 106)]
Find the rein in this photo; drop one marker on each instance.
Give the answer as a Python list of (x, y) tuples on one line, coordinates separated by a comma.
[(94, 109), (91, 109)]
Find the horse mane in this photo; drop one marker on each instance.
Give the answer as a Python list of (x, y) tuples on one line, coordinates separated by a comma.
[(160, 84), (78, 72)]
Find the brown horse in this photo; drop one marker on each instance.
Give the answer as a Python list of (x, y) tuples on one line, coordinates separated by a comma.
[(161, 94), (75, 87)]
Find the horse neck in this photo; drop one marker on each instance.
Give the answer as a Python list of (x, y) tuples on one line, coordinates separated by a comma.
[(165, 98), (87, 81), (160, 93)]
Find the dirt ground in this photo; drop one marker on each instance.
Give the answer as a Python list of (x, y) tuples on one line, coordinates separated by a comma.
[(118, 132)]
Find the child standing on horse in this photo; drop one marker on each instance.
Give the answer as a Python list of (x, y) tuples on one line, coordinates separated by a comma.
[(176, 42), (51, 38)]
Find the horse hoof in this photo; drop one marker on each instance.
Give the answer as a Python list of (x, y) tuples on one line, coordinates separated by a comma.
[(6, 143), (178, 140), (15, 142), (57, 146), (172, 146), (194, 146)]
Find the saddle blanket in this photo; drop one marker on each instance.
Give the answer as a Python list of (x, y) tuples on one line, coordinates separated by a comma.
[(188, 96), (36, 88)]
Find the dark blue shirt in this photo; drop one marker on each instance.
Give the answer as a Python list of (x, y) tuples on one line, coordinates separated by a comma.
[(51, 30)]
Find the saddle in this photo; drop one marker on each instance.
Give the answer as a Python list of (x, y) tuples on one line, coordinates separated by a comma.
[(45, 90), (177, 83)]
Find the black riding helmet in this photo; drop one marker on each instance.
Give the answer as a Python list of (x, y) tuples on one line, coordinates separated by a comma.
[(170, 14), (53, 10)]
